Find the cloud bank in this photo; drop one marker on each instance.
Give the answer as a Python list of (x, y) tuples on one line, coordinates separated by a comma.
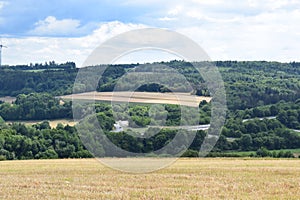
[(60, 49), (227, 30)]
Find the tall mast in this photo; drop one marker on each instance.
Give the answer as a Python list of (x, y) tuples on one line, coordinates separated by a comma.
[(1, 46)]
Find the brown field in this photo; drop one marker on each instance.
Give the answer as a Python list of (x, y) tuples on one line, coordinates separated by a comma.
[(186, 179), (53, 123), (142, 97)]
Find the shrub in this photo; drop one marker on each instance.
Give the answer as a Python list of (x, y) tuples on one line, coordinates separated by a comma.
[(2, 157), (288, 154), (190, 153), (263, 152)]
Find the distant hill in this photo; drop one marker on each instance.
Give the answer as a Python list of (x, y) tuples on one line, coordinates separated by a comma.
[(248, 84), (263, 117)]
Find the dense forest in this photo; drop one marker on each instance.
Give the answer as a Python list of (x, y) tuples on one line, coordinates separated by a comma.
[(263, 99), (35, 106), (18, 141), (248, 84), (51, 78)]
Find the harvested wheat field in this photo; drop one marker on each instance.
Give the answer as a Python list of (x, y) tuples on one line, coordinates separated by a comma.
[(53, 123), (141, 97), (186, 179)]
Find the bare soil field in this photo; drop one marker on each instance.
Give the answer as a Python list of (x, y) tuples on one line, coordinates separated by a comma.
[(141, 97), (197, 178)]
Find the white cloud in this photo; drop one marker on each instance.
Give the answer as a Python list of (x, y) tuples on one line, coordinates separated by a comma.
[(240, 30), (237, 30), (41, 49), (271, 4), (146, 56), (2, 4), (266, 36), (175, 11), (53, 26), (201, 16), (142, 3), (167, 18), (211, 2)]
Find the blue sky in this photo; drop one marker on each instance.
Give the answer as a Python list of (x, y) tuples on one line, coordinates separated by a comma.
[(21, 17), (40, 30)]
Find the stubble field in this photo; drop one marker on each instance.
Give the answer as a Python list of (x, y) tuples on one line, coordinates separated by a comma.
[(53, 123), (185, 99), (186, 179)]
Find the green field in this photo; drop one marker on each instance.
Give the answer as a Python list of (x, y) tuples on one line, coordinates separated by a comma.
[(186, 179)]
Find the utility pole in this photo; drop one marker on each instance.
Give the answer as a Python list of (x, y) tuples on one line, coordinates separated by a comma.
[(1, 46)]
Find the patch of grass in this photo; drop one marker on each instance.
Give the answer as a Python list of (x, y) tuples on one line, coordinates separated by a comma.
[(241, 153), (291, 150)]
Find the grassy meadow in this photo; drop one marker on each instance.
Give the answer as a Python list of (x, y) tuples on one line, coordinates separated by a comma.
[(198, 178)]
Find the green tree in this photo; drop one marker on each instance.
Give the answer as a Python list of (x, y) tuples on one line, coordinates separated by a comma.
[(246, 142), (263, 152)]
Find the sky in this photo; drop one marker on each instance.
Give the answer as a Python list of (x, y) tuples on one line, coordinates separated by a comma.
[(40, 31)]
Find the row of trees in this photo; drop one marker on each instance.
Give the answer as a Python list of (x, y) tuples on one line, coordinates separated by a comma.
[(51, 65), (261, 152)]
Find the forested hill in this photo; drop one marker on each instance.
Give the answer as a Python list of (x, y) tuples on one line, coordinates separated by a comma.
[(248, 84), (251, 84), (263, 119), (50, 77)]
